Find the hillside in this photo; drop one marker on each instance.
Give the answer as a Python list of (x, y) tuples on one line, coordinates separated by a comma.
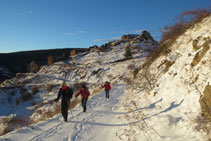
[(174, 95), (167, 99), (30, 94)]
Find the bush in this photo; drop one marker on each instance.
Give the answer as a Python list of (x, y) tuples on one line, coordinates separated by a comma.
[(131, 66), (182, 23), (35, 90), (135, 72), (76, 86), (128, 52), (26, 96), (50, 87), (17, 101)]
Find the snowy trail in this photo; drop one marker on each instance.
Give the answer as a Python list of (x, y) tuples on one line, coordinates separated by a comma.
[(100, 122)]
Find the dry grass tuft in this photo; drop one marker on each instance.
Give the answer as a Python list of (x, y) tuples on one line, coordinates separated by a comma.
[(50, 87)]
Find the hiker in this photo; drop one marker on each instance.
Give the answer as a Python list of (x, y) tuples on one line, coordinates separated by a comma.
[(84, 92), (66, 93), (107, 87)]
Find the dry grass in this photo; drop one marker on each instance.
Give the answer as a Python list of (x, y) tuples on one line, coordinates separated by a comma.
[(76, 86), (50, 87), (131, 66), (99, 62), (73, 104), (185, 21)]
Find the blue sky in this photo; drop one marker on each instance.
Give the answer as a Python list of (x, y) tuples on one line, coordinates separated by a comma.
[(48, 24)]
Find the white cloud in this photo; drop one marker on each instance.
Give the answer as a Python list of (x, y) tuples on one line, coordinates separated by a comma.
[(107, 40), (26, 13), (81, 31), (69, 33), (30, 12)]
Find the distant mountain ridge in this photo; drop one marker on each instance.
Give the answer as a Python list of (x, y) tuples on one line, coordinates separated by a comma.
[(17, 62)]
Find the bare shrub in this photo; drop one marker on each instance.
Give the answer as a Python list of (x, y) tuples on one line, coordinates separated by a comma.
[(49, 113), (144, 81), (26, 96), (99, 62), (41, 104), (50, 87), (76, 86), (73, 104), (13, 93), (135, 72), (9, 99), (33, 103), (35, 90), (131, 66), (5, 130), (17, 101), (182, 23), (18, 122), (102, 48), (129, 81), (57, 108), (128, 52)]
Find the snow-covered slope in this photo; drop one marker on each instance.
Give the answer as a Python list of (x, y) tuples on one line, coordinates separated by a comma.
[(172, 110)]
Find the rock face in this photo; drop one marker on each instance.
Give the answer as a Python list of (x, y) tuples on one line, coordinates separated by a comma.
[(129, 36), (145, 36), (93, 48)]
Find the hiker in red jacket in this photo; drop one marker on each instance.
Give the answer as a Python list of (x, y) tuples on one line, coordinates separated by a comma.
[(107, 87), (84, 92)]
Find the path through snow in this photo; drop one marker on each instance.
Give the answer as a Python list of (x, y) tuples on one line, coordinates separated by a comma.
[(100, 122)]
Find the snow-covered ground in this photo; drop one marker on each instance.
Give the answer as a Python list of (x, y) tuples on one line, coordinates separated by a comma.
[(100, 122)]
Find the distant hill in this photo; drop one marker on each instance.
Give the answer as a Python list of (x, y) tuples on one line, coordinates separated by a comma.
[(18, 61)]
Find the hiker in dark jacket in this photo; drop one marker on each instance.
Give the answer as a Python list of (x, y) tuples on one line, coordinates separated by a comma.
[(66, 93), (107, 87), (84, 92)]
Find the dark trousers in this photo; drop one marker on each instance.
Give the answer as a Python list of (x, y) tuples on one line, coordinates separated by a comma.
[(83, 103), (64, 109), (107, 93)]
